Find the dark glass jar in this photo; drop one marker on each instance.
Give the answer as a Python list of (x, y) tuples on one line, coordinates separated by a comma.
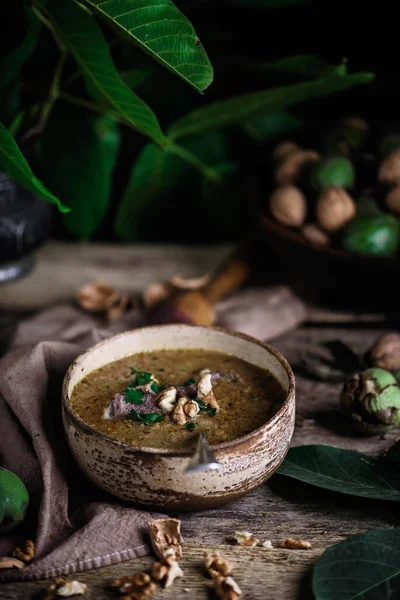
[(24, 226)]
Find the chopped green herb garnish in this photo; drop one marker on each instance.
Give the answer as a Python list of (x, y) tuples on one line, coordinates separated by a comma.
[(201, 404), (133, 370), (211, 411), (142, 377), (163, 387), (133, 396), (189, 381), (189, 425), (147, 419), (155, 387)]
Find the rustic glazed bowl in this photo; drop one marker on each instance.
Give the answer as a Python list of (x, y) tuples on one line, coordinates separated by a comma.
[(156, 477)]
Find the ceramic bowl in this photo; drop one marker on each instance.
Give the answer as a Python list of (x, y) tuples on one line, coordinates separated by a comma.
[(156, 477)]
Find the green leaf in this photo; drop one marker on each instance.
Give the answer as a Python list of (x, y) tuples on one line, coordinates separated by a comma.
[(11, 64), (211, 412), (155, 387), (302, 66), (15, 165), (133, 396), (238, 109), (162, 31), (79, 152), (83, 38), (342, 471), (189, 381), (156, 171), (189, 425), (270, 125), (135, 77), (393, 453), (365, 566)]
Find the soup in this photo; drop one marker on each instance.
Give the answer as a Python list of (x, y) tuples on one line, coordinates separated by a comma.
[(162, 399)]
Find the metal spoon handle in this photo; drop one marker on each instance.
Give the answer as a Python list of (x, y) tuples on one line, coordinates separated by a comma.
[(203, 458)]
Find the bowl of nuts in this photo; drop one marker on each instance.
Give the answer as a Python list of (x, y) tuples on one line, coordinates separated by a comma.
[(333, 215)]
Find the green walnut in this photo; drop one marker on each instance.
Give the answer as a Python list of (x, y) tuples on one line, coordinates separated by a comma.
[(336, 171), (371, 399), (14, 500), (372, 234)]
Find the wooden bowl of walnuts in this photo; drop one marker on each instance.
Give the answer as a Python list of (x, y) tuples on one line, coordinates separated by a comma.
[(333, 216)]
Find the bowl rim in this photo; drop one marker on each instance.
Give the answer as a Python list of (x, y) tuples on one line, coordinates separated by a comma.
[(171, 452)]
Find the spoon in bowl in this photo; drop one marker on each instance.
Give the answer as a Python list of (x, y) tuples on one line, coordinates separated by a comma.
[(203, 458)]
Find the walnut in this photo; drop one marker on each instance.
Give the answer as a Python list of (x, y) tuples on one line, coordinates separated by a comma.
[(335, 208), (296, 544), (385, 353), (167, 400), (9, 562), (205, 391), (191, 409), (288, 206), (283, 150), (99, 296), (389, 171), (220, 570), (135, 587), (315, 235), (185, 409), (165, 534), (289, 169), (25, 552), (66, 588), (217, 563), (244, 538), (392, 200), (158, 292), (226, 588), (167, 570)]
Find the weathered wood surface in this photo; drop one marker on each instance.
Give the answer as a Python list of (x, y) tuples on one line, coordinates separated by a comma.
[(62, 268), (277, 510)]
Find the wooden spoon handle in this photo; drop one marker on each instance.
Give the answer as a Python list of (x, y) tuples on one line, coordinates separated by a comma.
[(235, 272)]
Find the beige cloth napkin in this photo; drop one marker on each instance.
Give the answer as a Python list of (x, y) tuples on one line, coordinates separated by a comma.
[(75, 525)]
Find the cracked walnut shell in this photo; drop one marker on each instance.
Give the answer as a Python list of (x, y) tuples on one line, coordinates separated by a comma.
[(165, 535)]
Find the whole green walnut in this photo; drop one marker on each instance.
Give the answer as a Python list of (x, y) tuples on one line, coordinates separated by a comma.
[(336, 171), (371, 399), (14, 500), (378, 235)]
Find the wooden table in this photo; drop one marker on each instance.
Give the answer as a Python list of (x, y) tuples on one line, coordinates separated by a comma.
[(279, 509)]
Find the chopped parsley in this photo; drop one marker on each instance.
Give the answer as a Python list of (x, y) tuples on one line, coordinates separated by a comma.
[(133, 396), (189, 425), (142, 377), (189, 381), (210, 411), (201, 404), (147, 419), (155, 387)]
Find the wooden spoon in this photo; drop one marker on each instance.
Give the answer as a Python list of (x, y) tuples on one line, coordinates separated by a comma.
[(197, 307)]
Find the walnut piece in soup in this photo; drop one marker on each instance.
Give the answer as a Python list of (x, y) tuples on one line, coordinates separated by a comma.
[(162, 399)]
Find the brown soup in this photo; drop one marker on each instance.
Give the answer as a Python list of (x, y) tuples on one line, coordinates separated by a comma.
[(245, 401)]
